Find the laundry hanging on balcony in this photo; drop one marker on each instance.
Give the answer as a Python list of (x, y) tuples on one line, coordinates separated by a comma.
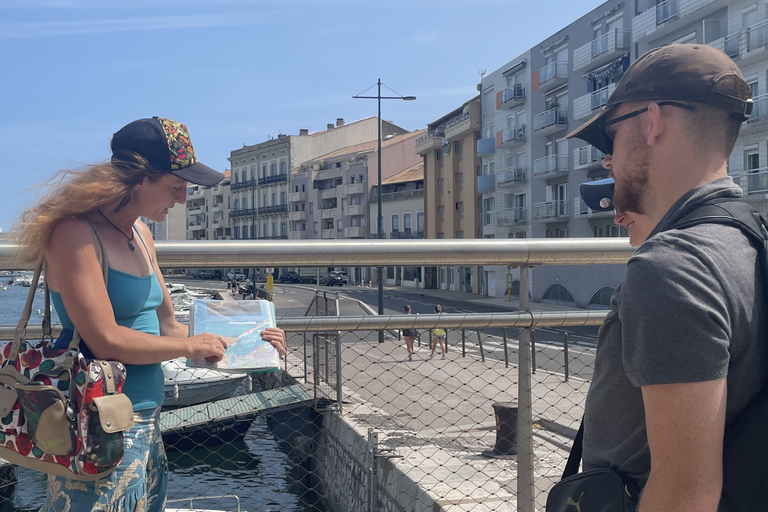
[(609, 69)]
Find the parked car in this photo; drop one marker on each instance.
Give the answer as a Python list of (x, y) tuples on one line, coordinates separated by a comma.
[(290, 277), (215, 274), (309, 279), (332, 279), (343, 275), (236, 275)]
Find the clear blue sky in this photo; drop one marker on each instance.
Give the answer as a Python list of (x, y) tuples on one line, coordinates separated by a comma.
[(236, 71)]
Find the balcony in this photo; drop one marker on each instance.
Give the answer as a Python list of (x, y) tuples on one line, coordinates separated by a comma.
[(600, 97), (328, 234), (511, 217), (756, 180), (588, 157), (430, 141), (298, 235), (243, 212), (269, 210), (486, 146), (194, 193), (486, 184), (401, 195), (355, 232), (664, 18), (512, 96), (461, 125), (552, 75), (297, 216), (327, 213), (551, 121), (550, 166), (666, 11), (551, 210), (195, 210), (511, 176), (243, 184), (328, 193), (601, 50), (297, 197), (267, 180), (355, 210), (759, 112), (356, 188), (732, 45), (757, 35), (513, 137), (584, 106)]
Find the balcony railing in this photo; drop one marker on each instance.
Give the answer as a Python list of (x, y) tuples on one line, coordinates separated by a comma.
[(243, 184), (731, 45), (759, 110), (666, 11), (553, 70), (515, 94), (403, 194), (757, 35), (457, 120), (243, 212), (590, 154), (430, 135), (510, 176), (407, 234), (600, 96), (486, 184), (550, 210), (278, 208), (552, 117), (486, 146), (266, 180), (757, 180), (550, 163), (511, 216), (619, 37)]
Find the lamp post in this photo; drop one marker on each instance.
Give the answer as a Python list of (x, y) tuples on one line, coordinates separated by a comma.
[(380, 219)]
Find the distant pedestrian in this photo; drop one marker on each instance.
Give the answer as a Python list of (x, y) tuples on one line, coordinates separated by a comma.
[(438, 335), (409, 334)]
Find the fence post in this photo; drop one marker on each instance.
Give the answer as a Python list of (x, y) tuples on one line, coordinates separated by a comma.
[(480, 344), (306, 356), (565, 354), (373, 441), (506, 351), (525, 483), (339, 394), (533, 351), (463, 344)]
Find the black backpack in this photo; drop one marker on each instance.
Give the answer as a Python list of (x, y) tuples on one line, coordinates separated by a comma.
[(745, 449)]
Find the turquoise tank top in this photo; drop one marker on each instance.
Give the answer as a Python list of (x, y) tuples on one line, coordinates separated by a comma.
[(135, 300)]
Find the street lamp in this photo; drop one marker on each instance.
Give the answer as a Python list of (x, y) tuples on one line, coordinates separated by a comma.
[(380, 219)]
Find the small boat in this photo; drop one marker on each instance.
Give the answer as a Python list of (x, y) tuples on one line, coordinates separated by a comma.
[(231, 501), (189, 386)]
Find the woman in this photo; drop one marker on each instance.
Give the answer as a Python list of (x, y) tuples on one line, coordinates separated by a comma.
[(131, 319), (409, 334), (438, 335)]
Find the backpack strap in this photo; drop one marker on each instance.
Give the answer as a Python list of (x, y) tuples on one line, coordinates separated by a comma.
[(737, 214)]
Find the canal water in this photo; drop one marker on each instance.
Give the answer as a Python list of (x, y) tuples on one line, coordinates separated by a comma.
[(257, 469)]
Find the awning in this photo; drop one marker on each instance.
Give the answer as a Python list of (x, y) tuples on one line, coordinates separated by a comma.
[(609, 69)]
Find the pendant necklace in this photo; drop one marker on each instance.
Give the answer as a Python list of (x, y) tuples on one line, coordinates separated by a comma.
[(129, 238)]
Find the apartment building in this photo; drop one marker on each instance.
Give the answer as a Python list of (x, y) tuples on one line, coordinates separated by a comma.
[(740, 29), (402, 204), (452, 203), (261, 173), (208, 212), (330, 194)]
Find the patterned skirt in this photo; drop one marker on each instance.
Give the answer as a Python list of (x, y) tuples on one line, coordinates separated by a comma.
[(138, 484)]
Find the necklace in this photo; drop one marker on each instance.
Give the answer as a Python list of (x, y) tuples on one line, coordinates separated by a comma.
[(129, 238)]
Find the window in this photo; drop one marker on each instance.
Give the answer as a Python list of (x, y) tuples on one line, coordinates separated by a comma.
[(273, 170), (282, 167), (458, 149), (362, 178), (437, 154), (460, 234), (407, 222), (489, 211), (303, 187), (283, 198), (311, 207), (461, 181), (237, 232), (339, 225), (296, 188), (395, 223), (420, 222), (602, 298), (558, 294)]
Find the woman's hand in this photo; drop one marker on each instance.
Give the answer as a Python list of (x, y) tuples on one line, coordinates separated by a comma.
[(276, 337), (206, 346)]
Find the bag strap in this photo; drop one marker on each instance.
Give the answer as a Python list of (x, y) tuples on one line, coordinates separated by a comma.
[(21, 327), (574, 458)]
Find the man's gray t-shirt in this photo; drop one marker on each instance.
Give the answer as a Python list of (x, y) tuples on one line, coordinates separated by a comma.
[(691, 309)]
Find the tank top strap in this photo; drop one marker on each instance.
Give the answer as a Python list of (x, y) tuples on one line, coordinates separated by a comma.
[(144, 244)]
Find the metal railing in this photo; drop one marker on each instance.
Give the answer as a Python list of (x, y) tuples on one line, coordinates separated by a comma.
[(432, 417), (552, 117), (666, 11), (757, 35)]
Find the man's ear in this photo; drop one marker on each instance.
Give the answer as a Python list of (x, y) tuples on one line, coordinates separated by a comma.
[(656, 124)]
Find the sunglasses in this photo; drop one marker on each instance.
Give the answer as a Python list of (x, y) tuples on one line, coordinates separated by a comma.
[(608, 140)]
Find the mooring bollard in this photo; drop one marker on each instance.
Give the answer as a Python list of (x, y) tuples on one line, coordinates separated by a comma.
[(506, 431)]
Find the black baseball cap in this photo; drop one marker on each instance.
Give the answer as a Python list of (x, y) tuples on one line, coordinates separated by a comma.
[(166, 145), (683, 72), (598, 194)]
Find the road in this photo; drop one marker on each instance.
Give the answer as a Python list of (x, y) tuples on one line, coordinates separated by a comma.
[(293, 300)]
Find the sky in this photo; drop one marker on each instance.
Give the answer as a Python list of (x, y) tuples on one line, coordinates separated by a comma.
[(237, 71)]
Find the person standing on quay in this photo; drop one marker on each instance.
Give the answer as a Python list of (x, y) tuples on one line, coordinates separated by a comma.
[(681, 353), (409, 335), (130, 319), (438, 335)]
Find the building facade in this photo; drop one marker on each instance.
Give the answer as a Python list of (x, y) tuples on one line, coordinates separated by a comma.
[(452, 202)]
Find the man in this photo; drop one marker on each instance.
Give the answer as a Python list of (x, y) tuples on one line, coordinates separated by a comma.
[(678, 356)]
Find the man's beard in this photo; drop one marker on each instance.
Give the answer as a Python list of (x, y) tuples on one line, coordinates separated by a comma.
[(631, 191)]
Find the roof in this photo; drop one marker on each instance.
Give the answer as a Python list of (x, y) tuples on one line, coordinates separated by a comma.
[(365, 147), (413, 173)]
